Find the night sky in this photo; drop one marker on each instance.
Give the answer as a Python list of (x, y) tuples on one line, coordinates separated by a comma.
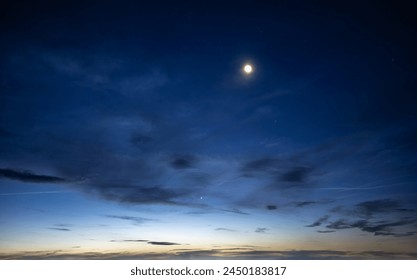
[(128, 129)]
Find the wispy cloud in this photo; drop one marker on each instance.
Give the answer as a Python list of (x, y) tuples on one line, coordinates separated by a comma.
[(369, 208), (136, 220), (183, 162), (158, 243), (298, 174), (163, 243), (235, 210), (261, 230), (285, 172), (375, 227), (305, 203), (136, 194), (319, 221), (29, 177), (225, 229), (59, 229), (35, 193)]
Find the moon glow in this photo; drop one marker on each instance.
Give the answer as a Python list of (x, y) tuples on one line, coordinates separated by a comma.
[(248, 69)]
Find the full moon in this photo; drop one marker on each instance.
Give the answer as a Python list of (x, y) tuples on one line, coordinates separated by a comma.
[(248, 69)]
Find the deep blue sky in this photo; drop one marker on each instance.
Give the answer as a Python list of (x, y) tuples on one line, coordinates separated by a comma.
[(126, 125)]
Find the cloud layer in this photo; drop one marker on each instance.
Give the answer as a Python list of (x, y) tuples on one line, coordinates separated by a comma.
[(231, 254)]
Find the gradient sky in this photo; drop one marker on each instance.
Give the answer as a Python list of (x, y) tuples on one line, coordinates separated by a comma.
[(129, 130)]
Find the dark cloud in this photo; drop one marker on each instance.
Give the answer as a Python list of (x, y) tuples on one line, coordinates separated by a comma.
[(297, 174), (29, 177), (376, 227), (319, 221), (305, 203), (381, 217), (137, 220), (310, 203), (163, 243), (285, 173), (225, 229), (137, 177), (405, 210), (271, 207), (235, 210), (403, 234), (372, 207), (183, 162), (59, 229), (138, 194), (383, 228), (63, 225), (339, 224), (326, 231), (261, 230)]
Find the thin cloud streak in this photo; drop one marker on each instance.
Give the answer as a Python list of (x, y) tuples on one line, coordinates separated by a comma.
[(27, 176), (36, 193)]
